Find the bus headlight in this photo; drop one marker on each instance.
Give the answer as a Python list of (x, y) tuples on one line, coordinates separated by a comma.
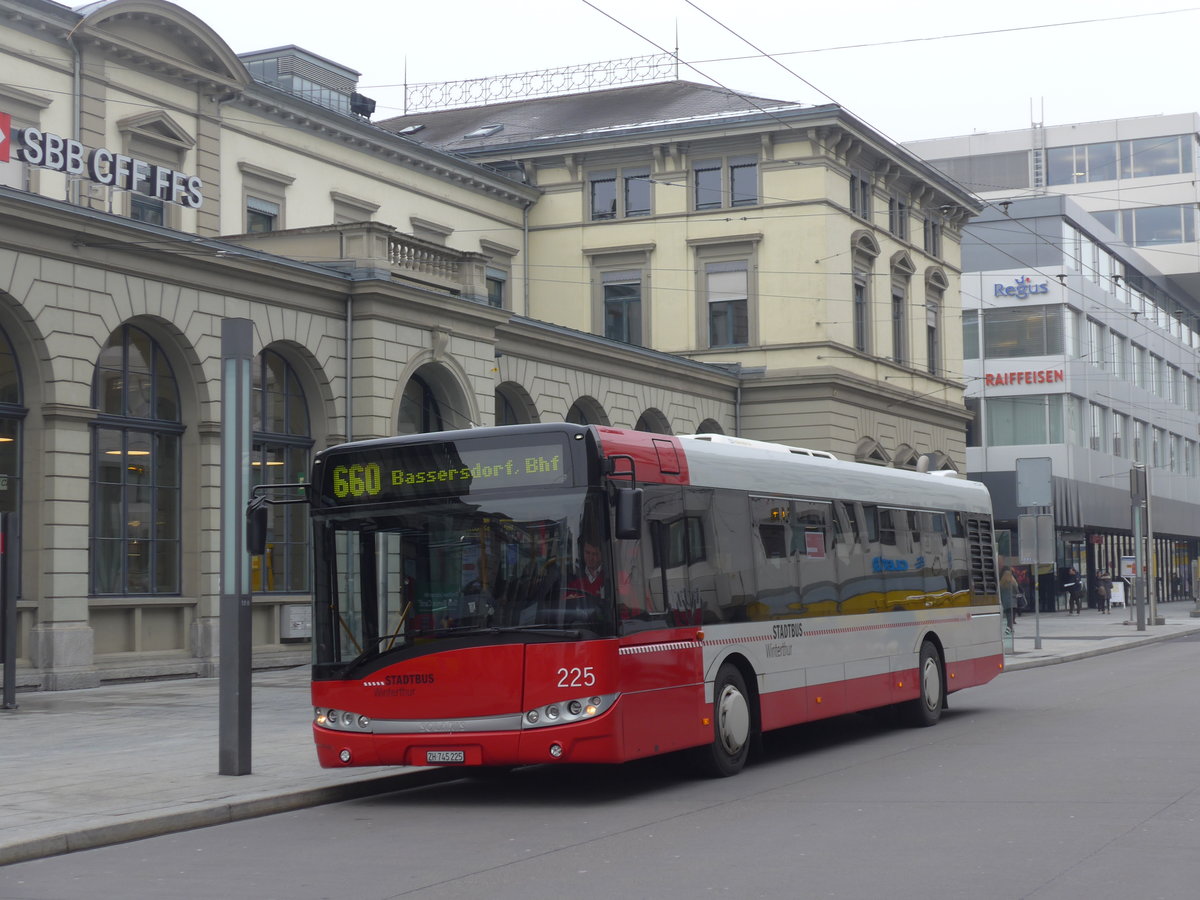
[(566, 713), (341, 720)]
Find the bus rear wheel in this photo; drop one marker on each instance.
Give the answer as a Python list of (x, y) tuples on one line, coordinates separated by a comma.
[(926, 710), (732, 721)]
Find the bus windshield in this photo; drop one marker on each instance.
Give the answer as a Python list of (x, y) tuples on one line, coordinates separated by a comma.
[(424, 572)]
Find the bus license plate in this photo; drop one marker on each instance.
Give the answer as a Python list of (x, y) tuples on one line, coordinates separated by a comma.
[(445, 756)]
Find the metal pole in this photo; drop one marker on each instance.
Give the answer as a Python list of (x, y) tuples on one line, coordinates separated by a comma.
[(237, 338), (1151, 586), (1139, 567)]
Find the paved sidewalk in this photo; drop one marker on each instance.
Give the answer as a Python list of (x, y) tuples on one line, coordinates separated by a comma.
[(120, 762)]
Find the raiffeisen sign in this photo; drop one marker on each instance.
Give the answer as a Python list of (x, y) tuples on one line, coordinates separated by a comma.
[(107, 167)]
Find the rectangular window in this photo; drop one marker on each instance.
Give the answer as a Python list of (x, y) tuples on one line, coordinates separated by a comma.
[(933, 340), (1120, 443), (861, 191), (1013, 421), (1149, 226), (743, 181), (970, 320), (1099, 342), (603, 188), (899, 327), (1074, 420), (147, 209), (497, 286), (898, 217), (726, 290), (1138, 365), (1022, 331), (725, 182), (862, 315), (615, 194), (261, 215), (932, 233), (623, 306), (707, 176), (637, 191), (1146, 157), (1098, 438)]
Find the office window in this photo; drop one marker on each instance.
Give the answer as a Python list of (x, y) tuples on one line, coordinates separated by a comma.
[(135, 492), (970, 322), (1014, 421), (1120, 442), (728, 299), (1022, 331), (1099, 342), (622, 299), (1108, 160), (1158, 449), (1098, 438), (1119, 364), (1147, 157), (1149, 226), (1138, 364)]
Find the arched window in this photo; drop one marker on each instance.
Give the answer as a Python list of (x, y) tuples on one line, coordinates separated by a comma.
[(864, 250), (135, 514), (280, 455), (419, 409), (654, 421), (11, 415), (586, 411)]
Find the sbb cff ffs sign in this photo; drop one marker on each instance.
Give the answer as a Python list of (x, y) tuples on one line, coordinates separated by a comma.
[(127, 173)]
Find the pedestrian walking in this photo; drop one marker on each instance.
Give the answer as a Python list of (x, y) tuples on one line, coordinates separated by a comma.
[(1104, 592), (1074, 591), (1009, 590)]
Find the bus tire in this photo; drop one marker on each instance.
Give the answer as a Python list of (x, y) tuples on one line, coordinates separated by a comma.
[(732, 721), (926, 710)]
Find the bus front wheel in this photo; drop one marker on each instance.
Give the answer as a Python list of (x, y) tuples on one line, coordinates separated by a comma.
[(732, 723), (926, 710)]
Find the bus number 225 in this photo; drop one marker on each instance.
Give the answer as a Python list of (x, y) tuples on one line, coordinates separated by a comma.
[(576, 677)]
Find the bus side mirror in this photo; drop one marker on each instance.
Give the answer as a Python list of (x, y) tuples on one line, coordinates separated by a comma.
[(629, 514), (256, 526)]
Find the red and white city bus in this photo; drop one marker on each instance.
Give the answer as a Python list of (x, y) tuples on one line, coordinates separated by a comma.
[(562, 593)]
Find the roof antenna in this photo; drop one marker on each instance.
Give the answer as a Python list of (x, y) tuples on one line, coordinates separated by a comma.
[(677, 48)]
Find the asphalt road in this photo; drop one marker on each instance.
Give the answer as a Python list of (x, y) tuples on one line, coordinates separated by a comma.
[(1070, 781)]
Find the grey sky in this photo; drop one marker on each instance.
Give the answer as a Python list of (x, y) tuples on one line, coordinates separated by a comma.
[(1105, 65)]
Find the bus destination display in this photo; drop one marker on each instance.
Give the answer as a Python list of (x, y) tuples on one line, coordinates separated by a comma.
[(412, 471)]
